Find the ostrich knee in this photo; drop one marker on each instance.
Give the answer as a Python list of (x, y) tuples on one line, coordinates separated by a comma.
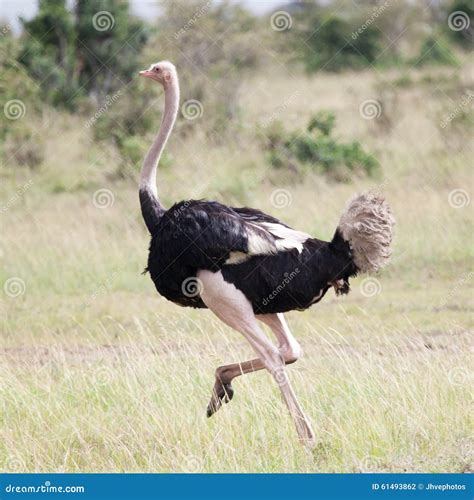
[(291, 353)]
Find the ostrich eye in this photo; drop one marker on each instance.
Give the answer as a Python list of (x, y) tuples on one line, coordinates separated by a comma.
[(156, 69)]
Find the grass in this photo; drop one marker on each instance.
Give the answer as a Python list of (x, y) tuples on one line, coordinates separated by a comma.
[(98, 373)]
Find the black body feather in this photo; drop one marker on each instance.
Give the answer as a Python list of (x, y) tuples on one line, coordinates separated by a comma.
[(197, 234), (152, 210)]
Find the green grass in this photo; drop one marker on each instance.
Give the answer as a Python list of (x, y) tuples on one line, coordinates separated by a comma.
[(99, 373)]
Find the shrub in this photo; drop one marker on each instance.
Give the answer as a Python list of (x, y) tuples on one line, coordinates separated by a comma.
[(323, 121), (436, 50), (15, 84), (331, 46), (317, 149), (19, 101)]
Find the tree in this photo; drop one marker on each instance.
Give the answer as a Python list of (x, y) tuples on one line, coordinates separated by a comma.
[(19, 96), (108, 42), (91, 50), (330, 45), (48, 51)]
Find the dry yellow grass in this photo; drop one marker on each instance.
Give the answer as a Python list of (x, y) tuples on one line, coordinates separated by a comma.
[(98, 373)]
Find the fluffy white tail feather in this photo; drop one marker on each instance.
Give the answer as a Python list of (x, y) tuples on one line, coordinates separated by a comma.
[(367, 224)]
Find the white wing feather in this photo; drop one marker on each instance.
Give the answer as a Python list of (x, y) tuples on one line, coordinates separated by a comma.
[(285, 239)]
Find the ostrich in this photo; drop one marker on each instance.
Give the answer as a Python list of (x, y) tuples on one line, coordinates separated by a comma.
[(247, 266)]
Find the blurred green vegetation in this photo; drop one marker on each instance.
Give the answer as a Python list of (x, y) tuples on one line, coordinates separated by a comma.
[(436, 50), (316, 148), (82, 58), (354, 50), (89, 51), (461, 15)]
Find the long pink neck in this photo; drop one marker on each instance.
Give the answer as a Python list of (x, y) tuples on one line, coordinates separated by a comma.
[(152, 158)]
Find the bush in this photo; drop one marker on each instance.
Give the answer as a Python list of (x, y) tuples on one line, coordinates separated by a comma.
[(317, 149), (436, 50), (15, 84), (323, 121), (330, 45), (19, 101)]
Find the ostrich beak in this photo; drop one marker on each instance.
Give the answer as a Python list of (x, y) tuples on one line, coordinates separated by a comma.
[(146, 73)]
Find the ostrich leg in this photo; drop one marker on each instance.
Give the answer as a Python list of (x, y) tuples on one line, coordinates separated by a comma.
[(232, 307), (289, 350)]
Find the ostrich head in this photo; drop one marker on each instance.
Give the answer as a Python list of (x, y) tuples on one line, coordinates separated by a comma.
[(163, 72)]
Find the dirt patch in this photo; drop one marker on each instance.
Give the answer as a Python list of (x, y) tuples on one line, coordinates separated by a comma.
[(78, 354), (455, 340)]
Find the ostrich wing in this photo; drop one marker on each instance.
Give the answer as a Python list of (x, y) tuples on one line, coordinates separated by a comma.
[(210, 234), (285, 236), (254, 215)]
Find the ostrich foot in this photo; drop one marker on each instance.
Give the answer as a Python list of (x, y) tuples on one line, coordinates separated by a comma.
[(222, 393)]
